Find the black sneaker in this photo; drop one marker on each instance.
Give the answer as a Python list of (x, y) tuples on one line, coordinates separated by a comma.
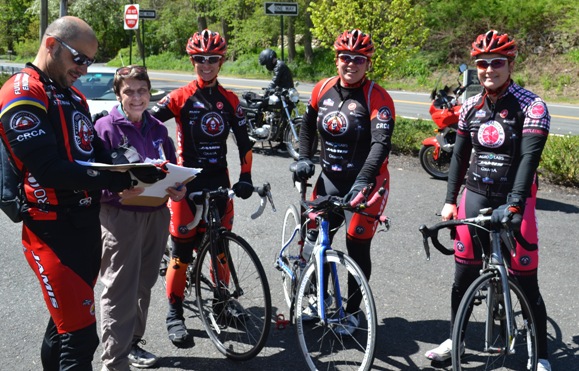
[(177, 331), (138, 357)]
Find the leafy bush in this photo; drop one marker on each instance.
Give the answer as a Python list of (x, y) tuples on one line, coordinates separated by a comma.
[(560, 160), (409, 134), (559, 163)]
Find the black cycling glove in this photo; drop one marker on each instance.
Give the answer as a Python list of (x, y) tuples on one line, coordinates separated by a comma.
[(143, 176), (357, 187), (244, 188), (305, 169)]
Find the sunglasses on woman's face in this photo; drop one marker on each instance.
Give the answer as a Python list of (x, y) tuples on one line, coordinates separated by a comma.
[(125, 71), (495, 63), (357, 59), (77, 57), (202, 59)]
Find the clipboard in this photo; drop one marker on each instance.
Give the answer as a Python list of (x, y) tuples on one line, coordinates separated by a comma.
[(155, 194)]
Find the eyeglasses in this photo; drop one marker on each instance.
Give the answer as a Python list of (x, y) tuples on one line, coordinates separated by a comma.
[(77, 57), (357, 59), (495, 63), (202, 59), (125, 71)]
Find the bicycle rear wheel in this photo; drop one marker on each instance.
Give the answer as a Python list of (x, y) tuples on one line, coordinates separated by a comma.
[(237, 318), (291, 256), (321, 344), (483, 305)]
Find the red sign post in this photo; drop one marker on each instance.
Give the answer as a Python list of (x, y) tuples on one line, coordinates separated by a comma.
[(131, 17)]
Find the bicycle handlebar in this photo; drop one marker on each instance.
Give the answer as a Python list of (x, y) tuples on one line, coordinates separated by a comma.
[(201, 201), (480, 221), (357, 204)]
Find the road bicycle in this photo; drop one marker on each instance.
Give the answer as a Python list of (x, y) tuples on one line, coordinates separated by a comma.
[(316, 291), (494, 325), (230, 284)]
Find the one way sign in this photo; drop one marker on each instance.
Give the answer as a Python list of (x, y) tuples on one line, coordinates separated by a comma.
[(290, 9)]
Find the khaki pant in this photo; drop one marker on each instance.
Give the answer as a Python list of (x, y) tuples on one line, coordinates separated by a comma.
[(133, 245)]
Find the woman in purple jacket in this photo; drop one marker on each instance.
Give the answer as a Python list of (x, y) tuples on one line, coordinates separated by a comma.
[(134, 237)]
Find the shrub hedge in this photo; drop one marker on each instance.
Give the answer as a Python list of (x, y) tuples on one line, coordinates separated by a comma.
[(559, 163)]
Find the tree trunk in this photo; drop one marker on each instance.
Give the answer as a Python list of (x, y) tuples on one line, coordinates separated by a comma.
[(291, 39), (308, 51), (201, 23)]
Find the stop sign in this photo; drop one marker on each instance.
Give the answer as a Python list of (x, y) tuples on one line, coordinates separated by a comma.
[(131, 17)]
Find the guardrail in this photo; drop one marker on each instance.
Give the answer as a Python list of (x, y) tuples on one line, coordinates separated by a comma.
[(9, 70)]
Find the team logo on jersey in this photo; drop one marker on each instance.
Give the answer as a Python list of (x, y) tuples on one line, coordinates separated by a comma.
[(525, 260), (212, 124), (335, 123), (219, 105), (164, 102), (360, 230), (352, 106), (198, 105), (328, 102), (83, 132), (491, 134), (504, 113), (384, 114), (239, 112), (480, 113), (24, 121), (459, 246), (537, 110)]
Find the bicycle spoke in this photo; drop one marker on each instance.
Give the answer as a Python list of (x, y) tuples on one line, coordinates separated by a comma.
[(236, 317), (485, 300), (320, 339)]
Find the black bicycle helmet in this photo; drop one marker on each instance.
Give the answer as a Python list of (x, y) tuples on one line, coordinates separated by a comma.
[(266, 58)]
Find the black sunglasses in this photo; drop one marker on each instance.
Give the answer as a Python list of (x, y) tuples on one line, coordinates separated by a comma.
[(77, 57)]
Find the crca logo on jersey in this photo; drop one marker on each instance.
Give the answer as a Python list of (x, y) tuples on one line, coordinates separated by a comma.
[(24, 121), (491, 134), (83, 132), (335, 123), (212, 124)]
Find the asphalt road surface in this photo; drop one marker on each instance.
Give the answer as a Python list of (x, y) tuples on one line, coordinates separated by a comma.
[(412, 295)]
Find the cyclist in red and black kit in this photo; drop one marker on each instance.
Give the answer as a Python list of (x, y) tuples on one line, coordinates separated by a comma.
[(205, 113), (354, 118), (507, 127), (46, 126)]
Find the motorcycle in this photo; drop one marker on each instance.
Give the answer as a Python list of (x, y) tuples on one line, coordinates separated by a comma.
[(273, 116), (436, 151)]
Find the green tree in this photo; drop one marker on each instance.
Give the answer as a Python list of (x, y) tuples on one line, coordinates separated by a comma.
[(397, 28), (14, 22)]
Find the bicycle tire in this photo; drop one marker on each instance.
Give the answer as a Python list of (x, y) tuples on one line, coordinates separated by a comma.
[(473, 321), (291, 256), (240, 324), (322, 347)]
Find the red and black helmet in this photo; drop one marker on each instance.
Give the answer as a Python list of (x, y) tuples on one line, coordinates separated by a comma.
[(206, 42), (496, 43), (355, 41)]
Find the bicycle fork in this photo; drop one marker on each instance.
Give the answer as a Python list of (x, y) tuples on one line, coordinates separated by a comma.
[(323, 245), (493, 296)]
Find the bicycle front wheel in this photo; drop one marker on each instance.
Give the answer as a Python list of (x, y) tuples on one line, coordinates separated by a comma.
[(291, 255), (236, 313), (322, 341), (480, 328)]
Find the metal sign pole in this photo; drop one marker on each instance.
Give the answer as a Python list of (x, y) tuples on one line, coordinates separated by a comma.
[(281, 21)]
